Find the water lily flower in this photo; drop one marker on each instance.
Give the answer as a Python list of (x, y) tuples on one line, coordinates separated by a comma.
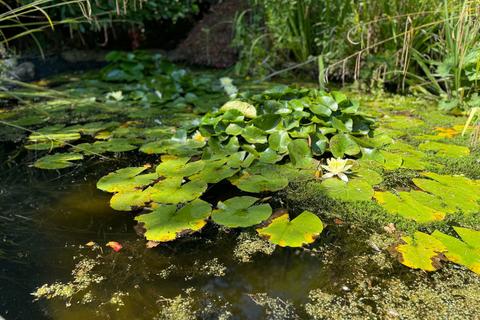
[(337, 167), (197, 136)]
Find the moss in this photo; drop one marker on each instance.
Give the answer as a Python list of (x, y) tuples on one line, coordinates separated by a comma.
[(468, 166), (249, 245), (177, 308), (274, 308), (398, 179), (83, 278)]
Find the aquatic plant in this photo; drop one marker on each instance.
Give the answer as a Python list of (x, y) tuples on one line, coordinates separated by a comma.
[(259, 144)]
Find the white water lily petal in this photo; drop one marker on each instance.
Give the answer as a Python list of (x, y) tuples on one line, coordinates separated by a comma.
[(343, 177), (328, 175)]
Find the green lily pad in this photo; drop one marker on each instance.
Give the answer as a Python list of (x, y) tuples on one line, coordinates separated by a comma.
[(57, 161), (49, 145), (422, 251), (166, 223), (300, 153), (444, 149), (127, 201), (409, 207), (178, 167), (279, 141), (343, 144), (455, 192), (353, 190), (267, 180), (126, 179), (171, 190), (241, 212), (302, 230)]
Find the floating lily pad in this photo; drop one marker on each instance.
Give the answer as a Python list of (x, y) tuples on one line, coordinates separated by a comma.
[(127, 201), (267, 180), (126, 179), (241, 212), (57, 161), (49, 145), (408, 207), (343, 144), (300, 153), (178, 167), (463, 253), (171, 190), (422, 251), (455, 192), (166, 223), (444, 149), (353, 190), (302, 230)]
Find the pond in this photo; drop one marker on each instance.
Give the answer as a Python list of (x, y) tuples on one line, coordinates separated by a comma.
[(66, 254)]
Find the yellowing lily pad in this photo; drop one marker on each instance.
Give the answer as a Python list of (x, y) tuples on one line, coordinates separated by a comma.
[(302, 230), (422, 251), (166, 223), (462, 252), (241, 212), (126, 179)]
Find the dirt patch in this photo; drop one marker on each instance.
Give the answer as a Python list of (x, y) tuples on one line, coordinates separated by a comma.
[(208, 44)]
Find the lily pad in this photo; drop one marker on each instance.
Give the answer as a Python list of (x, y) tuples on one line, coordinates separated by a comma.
[(267, 180), (343, 144), (353, 190), (408, 207), (171, 190), (463, 253), (444, 149), (241, 212), (421, 251), (126, 179), (166, 223), (127, 201), (172, 166), (57, 161), (302, 230)]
